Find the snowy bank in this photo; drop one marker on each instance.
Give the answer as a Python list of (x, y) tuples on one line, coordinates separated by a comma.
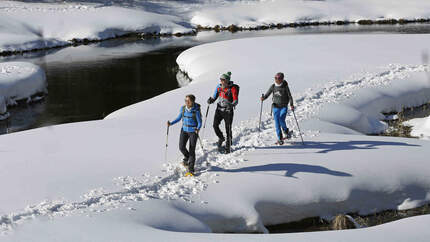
[(116, 167), (131, 225), (27, 26), (340, 82), (420, 127), (263, 13), (30, 26), (19, 80)]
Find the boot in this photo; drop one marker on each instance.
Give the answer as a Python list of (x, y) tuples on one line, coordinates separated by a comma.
[(185, 162), (219, 143), (288, 133)]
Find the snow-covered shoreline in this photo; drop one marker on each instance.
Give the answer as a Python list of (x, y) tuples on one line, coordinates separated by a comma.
[(35, 26), (19, 80)]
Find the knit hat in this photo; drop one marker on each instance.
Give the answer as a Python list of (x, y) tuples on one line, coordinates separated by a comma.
[(226, 76)]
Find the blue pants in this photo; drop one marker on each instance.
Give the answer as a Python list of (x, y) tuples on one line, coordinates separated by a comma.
[(279, 114)]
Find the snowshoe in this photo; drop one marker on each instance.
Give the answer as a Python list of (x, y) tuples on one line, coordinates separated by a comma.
[(190, 174), (286, 142)]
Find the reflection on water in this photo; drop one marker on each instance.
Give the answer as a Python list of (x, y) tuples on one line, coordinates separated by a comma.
[(89, 82), (90, 90)]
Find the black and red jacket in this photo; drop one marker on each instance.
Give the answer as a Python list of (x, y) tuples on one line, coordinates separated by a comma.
[(228, 96)]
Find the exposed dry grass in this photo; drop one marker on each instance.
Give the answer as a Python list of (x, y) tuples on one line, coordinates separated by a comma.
[(341, 221), (397, 127)]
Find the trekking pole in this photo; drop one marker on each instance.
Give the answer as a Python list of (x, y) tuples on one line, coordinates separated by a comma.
[(167, 143), (300, 132), (201, 144), (206, 118), (261, 110)]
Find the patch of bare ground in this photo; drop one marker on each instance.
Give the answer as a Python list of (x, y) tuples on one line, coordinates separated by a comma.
[(347, 221)]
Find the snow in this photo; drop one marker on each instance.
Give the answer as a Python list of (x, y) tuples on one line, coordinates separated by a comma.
[(29, 25), (108, 178), (132, 225), (259, 13), (420, 127), (19, 80), (314, 65), (26, 26)]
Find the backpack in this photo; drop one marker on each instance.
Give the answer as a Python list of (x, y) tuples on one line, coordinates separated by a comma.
[(284, 98), (237, 88), (229, 91), (194, 112)]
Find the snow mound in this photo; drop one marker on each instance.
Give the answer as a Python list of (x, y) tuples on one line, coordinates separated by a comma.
[(19, 80), (264, 13), (27, 26), (420, 127)]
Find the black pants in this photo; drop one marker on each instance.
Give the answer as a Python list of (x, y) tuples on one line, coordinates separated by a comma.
[(190, 154), (227, 116)]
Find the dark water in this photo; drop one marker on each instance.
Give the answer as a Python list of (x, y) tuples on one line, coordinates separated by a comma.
[(91, 90), (89, 82)]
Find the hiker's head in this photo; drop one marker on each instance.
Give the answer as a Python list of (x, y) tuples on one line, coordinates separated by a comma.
[(189, 100), (224, 82), (225, 79), (279, 77)]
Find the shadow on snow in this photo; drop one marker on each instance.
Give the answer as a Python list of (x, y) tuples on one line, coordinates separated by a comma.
[(290, 169), (329, 146)]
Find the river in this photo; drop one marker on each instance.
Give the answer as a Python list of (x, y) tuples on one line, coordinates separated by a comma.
[(88, 82)]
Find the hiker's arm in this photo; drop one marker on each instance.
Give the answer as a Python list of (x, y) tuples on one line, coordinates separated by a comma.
[(216, 94), (290, 97), (268, 93), (214, 97), (199, 120), (177, 118)]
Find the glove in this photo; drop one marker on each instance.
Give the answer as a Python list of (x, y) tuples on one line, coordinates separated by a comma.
[(292, 108), (211, 100)]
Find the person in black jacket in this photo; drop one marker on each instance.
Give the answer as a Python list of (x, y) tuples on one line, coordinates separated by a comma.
[(227, 94), (281, 98)]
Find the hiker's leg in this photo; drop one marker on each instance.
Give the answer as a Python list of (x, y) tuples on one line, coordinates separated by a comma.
[(276, 117), (217, 121), (183, 138)]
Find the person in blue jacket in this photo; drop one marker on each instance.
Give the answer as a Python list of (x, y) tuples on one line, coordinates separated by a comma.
[(191, 123)]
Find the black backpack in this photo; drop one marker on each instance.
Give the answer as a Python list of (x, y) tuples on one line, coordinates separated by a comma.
[(237, 88)]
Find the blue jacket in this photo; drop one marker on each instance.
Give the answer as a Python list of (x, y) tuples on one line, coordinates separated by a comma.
[(189, 124)]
